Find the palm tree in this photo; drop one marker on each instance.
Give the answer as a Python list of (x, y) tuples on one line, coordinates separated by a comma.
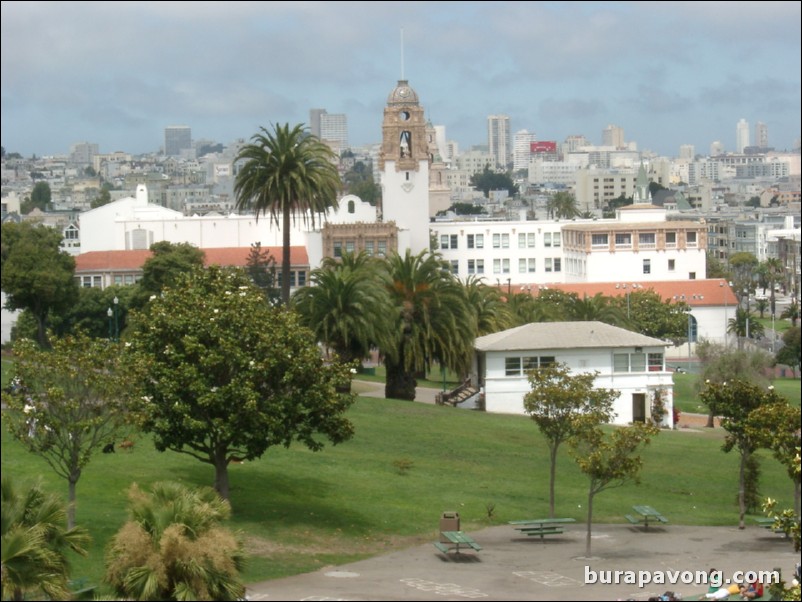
[(347, 305), (791, 313), (432, 321), (34, 544), (562, 206), (173, 547), (287, 173), (598, 308), (774, 270), (492, 312), (742, 327)]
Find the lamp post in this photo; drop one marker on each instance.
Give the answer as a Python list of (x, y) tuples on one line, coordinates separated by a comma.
[(116, 319), (110, 313)]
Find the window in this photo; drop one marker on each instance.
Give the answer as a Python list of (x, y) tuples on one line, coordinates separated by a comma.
[(497, 241), (671, 265), (369, 247), (338, 248), (505, 266), (476, 241), (620, 362), (448, 241), (637, 362), (671, 239), (351, 207), (558, 264), (480, 266), (656, 362), (302, 278), (349, 246), (690, 237), (623, 239), (526, 240), (547, 239), (556, 239), (382, 248), (646, 240), (526, 265), (552, 264), (455, 266), (647, 266), (512, 366), (599, 240), (522, 266)]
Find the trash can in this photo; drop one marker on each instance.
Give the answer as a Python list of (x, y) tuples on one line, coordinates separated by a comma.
[(449, 521)]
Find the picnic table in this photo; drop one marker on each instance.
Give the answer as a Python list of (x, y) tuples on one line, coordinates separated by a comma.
[(541, 526), (455, 540), (644, 515)]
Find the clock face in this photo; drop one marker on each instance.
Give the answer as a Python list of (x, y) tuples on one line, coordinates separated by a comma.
[(403, 92)]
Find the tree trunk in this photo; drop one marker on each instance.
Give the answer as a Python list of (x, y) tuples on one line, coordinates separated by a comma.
[(742, 490), (590, 522), (710, 420), (72, 482), (796, 496), (221, 474), (552, 477), (400, 382), (285, 257)]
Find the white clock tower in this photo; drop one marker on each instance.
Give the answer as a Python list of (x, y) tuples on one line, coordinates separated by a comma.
[(404, 168)]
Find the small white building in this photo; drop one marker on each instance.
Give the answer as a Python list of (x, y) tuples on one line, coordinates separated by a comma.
[(626, 361)]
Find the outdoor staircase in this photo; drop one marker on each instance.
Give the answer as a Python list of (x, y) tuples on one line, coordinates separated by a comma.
[(458, 395)]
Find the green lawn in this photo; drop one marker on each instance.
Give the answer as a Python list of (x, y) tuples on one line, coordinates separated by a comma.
[(300, 510), (686, 396)]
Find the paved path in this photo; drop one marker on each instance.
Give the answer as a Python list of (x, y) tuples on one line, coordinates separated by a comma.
[(511, 567)]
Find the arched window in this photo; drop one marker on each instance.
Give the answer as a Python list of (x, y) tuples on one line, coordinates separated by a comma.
[(351, 207)]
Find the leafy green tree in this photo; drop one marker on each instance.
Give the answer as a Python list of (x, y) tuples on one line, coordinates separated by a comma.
[(651, 315), (228, 376), (36, 274), (562, 206), (39, 199), (776, 427), (791, 349), (261, 268), (744, 268), (609, 460), (288, 174), (359, 181), (168, 262), (103, 198), (174, 547), (431, 321), (735, 401), (348, 306), (715, 268), (467, 209), (556, 304), (721, 364), (527, 309), (761, 305), (35, 544), (488, 180), (563, 404), (67, 403)]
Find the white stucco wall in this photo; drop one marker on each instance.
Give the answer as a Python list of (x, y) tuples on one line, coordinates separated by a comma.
[(504, 394)]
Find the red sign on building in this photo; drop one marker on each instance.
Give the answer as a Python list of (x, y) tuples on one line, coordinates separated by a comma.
[(545, 146)]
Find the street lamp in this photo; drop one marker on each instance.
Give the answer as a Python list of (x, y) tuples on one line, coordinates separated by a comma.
[(116, 319), (110, 313)]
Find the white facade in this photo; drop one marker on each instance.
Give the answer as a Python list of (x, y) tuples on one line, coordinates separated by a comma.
[(522, 149), (499, 140), (628, 362), (741, 136)]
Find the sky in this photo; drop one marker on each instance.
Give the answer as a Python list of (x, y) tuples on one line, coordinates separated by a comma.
[(669, 73)]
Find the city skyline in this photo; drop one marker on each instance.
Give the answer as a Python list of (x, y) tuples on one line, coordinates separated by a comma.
[(117, 74)]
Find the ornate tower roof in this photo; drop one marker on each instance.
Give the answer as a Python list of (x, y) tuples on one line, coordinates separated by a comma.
[(402, 94)]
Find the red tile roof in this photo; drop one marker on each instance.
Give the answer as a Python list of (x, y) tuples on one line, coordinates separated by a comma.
[(696, 293)]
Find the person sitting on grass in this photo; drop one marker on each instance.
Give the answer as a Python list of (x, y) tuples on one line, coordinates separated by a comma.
[(720, 591)]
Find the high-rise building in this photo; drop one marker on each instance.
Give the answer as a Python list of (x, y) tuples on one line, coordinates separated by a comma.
[(574, 142), (687, 151), (741, 136), (613, 135), (176, 139), (334, 129), (761, 135), (522, 149), (82, 153), (314, 121), (499, 141)]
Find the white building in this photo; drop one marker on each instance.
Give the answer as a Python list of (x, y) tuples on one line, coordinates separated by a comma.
[(628, 362), (522, 149), (741, 136), (499, 140)]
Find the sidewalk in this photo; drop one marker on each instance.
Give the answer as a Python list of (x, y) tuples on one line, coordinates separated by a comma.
[(511, 567)]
